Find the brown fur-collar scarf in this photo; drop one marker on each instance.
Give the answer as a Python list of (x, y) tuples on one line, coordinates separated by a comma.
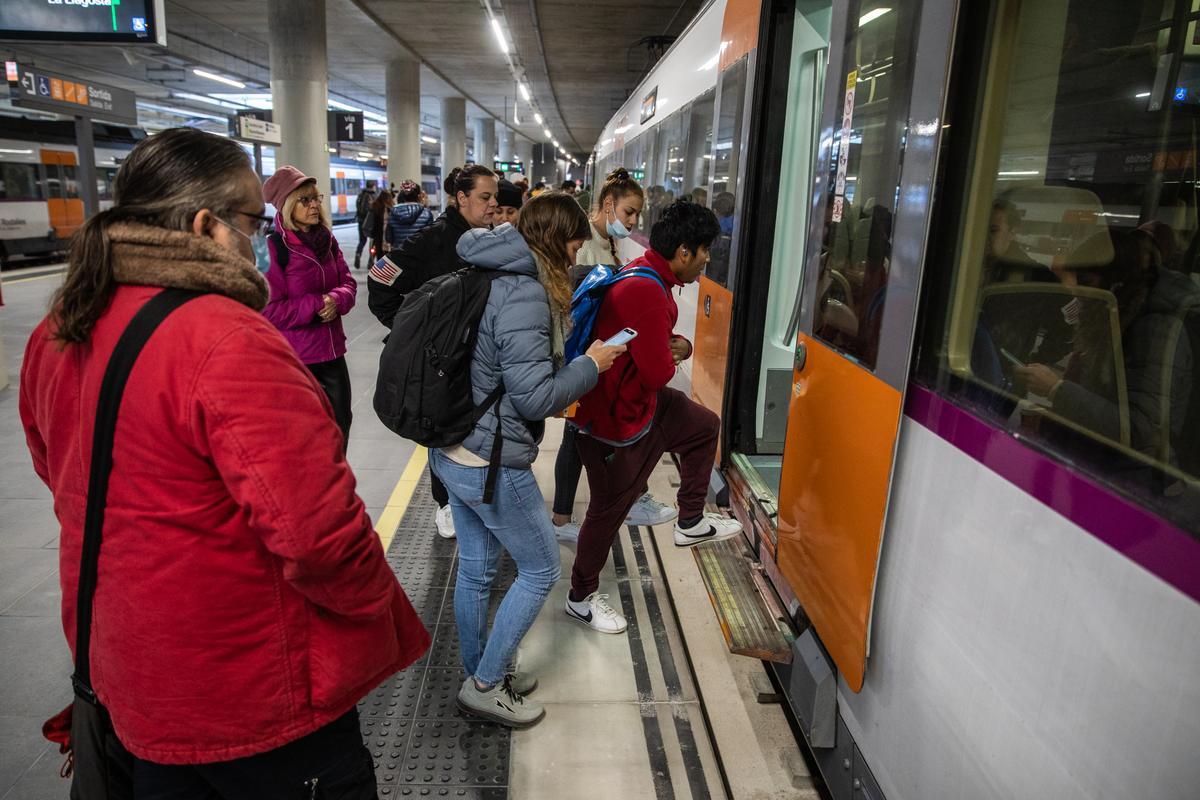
[(146, 255)]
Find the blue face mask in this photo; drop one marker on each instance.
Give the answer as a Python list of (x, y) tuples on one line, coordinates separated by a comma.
[(262, 252), (617, 229), (258, 244)]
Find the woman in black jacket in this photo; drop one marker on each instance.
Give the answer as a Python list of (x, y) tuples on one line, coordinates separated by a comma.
[(427, 254)]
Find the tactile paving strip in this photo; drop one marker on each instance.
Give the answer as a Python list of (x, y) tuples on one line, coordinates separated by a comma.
[(422, 745)]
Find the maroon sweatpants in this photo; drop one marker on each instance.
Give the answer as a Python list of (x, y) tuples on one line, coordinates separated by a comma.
[(617, 477)]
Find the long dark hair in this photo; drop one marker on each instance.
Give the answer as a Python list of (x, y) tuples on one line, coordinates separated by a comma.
[(547, 223), (462, 179), (165, 180)]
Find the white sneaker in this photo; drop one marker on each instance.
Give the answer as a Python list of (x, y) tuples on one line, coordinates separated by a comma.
[(445, 522), (648, 511), (595, 612), (568, 532), (712, 527)]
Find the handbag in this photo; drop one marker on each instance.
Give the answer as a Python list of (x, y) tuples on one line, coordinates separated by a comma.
[(98, 764)]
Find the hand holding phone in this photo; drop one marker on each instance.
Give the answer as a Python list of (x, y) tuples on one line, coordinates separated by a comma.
[(1016, 362)]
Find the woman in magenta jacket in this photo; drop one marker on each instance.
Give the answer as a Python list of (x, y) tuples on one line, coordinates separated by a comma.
[(311, 285), (243, 606)]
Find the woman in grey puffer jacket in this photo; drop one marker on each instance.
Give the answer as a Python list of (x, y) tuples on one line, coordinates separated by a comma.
[(521, 338)]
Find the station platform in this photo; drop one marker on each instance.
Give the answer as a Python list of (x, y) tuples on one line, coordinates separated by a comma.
[(663, 711)]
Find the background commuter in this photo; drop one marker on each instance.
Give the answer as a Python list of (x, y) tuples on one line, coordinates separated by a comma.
[(427, 254), (311, 286), (508, 203), (521, 340), (361, 206), (377, 223), (244, 604), (408, 216), (631, 418), (619, 206)]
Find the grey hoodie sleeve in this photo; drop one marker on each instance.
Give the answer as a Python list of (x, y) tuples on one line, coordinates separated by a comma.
[(522, 336)]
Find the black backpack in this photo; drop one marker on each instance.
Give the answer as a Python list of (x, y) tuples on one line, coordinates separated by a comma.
[(423, 391)]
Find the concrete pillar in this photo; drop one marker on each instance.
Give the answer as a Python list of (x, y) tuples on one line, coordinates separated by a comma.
[(504, 143), (524, 153), (454, 134), (485, 141), (300, 85), (403, 87)]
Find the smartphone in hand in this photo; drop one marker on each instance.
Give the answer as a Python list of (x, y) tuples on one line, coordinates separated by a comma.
[(624, 336)]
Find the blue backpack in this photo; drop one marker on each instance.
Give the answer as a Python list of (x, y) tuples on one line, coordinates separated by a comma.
[(585, 304)]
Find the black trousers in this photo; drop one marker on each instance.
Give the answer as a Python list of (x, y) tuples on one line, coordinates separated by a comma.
[(362, 241), (567, 469), (330, 763), (334, 378)]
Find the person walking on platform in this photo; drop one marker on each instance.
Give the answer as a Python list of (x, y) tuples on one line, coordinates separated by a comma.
[(616, 216), (408, 216), (311, 286), (508, 203), (361, 206), (520, 347), (427, 254), (377, 222), (631, 418), (243, 604)]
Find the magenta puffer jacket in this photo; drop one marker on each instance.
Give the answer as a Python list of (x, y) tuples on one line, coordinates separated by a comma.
[(297, 295)]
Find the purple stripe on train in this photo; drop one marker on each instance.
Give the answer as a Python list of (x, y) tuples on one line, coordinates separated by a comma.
[(1150, 541)]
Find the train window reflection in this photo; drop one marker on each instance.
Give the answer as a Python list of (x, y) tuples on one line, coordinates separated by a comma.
[(864, 177), (19, 182), (1075, 307), (727, 157)]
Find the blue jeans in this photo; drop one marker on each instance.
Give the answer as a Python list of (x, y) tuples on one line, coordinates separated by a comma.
[(517, 521)]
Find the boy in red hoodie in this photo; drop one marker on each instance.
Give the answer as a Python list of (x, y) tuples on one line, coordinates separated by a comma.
[(631, 418)]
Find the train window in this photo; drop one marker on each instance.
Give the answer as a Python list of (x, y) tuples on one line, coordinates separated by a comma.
[(19, 182), (864, 179), (727, 155), (70, 181), (699, 148), (1073, 311)]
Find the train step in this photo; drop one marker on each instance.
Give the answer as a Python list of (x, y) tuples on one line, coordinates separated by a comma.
[(751, 624)]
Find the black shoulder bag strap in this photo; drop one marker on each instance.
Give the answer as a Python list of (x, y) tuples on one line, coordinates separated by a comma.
[(120, 364)]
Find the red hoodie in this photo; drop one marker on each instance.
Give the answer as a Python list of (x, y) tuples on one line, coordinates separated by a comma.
[(622, 405)]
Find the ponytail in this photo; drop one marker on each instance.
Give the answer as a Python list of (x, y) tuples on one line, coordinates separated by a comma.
[(85, 293), (462, 179), (618, 184)]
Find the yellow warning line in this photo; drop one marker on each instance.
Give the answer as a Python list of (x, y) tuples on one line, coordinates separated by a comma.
[(397, 504), (15, 281)]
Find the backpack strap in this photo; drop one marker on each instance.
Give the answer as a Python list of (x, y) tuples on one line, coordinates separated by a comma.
[(112, 387), (282, 254), (641, 272), (489, 484)]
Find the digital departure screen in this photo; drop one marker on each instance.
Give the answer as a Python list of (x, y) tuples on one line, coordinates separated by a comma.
[(113, 21)]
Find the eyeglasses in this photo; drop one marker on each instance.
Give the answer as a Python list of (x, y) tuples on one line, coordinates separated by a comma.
[(313, 199), (262, 223)]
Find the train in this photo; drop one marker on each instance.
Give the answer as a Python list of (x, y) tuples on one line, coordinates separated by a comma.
[(40, 204), (958, 282)]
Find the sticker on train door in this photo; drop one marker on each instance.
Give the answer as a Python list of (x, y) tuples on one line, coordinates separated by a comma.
[(843, 162)]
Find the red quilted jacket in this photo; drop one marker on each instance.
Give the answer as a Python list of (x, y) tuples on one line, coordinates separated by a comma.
[(243, 598)]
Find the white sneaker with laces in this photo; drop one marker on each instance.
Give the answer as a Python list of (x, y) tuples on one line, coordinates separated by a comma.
[(568, 532), (712, 527), (595, 612), (445, 522), (648, 511)]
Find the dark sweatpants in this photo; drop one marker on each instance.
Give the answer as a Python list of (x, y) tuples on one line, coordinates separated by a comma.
[(334, 378), (617, 476)]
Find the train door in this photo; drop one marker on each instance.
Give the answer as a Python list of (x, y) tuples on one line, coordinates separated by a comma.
[(62, 192), (882, 118)]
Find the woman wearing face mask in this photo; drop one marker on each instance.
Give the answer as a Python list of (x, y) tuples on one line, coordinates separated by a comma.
[(230, 639), (311, 285), (427, 254), (618, 208)]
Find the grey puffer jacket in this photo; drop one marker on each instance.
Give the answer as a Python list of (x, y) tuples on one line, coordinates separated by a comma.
[(514, 348)]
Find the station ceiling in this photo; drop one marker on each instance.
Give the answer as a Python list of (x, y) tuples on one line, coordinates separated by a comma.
[(580, 60)]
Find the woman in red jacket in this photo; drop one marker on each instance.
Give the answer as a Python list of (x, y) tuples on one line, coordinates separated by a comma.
[(243, 604)]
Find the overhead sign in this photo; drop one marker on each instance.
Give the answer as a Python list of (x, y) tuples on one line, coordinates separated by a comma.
[(649, 105), (107, 21), (251, 129), (508, 166), (345, 126), (52, 91)]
